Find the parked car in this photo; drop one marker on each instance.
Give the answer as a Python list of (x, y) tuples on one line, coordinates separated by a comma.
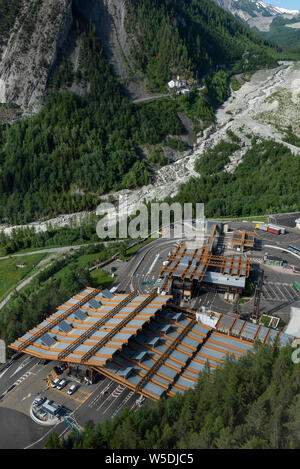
[(57, 370), (63, 367), (43, 362), (55, 383), (72, 389), (61, 384), (39, 400)]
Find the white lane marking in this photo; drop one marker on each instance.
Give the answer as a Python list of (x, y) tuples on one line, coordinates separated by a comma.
[(127, 398), (108, 398), (153, 264), (116, 398), (20, 380), (23, 364), (5, 371)]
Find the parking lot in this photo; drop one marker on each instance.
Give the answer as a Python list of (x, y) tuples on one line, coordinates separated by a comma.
[(26, 379), (276, 291)]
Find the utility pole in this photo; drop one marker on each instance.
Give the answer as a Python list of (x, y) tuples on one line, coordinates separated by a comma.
[(258, 290)]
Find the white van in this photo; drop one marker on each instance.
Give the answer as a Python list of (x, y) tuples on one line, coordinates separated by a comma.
[(72, 389)]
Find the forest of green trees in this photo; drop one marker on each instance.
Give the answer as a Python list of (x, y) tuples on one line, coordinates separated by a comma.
[(250, 403), (191, 37), (79, 147), (266, 181), (48, 290)]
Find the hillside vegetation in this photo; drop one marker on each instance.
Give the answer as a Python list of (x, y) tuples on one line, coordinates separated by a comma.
[(78, 147), (191, 38), (81, 146), (266, 181), (252, 403)]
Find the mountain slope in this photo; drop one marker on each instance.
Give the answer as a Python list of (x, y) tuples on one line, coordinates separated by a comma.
[(89, 139), (189, 38), (143, 40), (255, 13), (274, 23), (35, 30)]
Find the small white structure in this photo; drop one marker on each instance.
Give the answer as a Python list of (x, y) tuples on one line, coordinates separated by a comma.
[(297, 223), (208, 317), (177, 83)]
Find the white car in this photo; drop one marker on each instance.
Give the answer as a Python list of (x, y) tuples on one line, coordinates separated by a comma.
[(72, 389), (55, 383), (61, 384)]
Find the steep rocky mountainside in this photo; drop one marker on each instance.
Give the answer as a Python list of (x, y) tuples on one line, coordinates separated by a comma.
[(146, 42), (35, 32), (86, 137), (275, 24), (30, 48), (256, 13)]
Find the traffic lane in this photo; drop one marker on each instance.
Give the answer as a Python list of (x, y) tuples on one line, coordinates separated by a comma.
[(279, 308), (150, 270), (289, 258), (286, 219), (15, 372), (108, 400), (94, 410), (20, 395), (81, 414), (283, 239), (141, 262), (280, 240), (272, 275)]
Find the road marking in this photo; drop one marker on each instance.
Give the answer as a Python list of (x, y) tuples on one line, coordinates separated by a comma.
[(127, 398), (109, 397), (153, 264), (23, 364), (116, 396), (85, 395), (15, 387)]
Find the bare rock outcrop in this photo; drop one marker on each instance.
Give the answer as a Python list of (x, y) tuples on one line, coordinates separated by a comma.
[(30, 53)]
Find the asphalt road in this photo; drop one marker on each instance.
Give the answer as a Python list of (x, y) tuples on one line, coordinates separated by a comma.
[(143, 266), (25, 379)]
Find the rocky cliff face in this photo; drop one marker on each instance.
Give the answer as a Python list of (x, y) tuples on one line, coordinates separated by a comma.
[(30, 52), (41, 27), (109, 18)]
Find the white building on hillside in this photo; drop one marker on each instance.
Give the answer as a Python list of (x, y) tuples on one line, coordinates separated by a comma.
[(177, 83)]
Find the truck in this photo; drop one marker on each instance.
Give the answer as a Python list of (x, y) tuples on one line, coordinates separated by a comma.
[(261, 226), (278, 228), (273, 230)]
